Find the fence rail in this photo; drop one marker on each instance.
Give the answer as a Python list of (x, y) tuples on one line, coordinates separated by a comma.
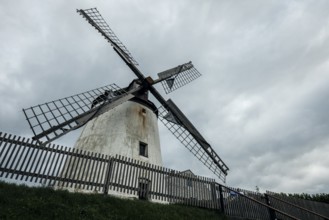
[(65, 168), (299, 207)]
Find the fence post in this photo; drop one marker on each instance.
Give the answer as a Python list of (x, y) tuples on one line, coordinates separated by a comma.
[(221, 199), (213, 195), (271, 211), (108, 175)]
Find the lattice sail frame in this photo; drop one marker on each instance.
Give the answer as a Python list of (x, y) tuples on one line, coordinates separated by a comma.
[(57, 117), (187, 139), (178, 77), (97, 21)]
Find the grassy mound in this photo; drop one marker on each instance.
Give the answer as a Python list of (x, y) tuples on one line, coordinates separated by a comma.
[(22, 202)]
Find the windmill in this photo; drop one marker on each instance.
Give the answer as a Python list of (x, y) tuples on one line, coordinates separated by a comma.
[(103, 109)]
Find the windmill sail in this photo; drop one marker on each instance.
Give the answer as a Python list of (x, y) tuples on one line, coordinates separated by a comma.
[(95, 19), (179, 76), (188, 135), (53, 119)]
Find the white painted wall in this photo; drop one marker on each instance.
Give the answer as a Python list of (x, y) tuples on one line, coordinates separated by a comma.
[(120, 130)]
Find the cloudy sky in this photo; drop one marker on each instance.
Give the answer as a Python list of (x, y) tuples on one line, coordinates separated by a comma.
[(262, 102)]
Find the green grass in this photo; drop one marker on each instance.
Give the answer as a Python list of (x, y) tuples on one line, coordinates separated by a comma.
[(22, 202)]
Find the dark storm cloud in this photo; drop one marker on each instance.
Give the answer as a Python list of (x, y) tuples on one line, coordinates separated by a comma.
[(262, 99)]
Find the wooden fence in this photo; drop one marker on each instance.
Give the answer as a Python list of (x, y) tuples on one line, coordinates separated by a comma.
[(60, 167), (301, 208)]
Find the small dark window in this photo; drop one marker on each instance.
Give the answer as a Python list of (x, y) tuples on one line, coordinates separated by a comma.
[(143, 149)]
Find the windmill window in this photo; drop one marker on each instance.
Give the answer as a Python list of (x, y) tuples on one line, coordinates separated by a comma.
[(143, 149)]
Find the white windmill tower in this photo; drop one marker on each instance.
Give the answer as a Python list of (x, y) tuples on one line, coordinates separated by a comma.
[(123, 120), (130, 129)]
